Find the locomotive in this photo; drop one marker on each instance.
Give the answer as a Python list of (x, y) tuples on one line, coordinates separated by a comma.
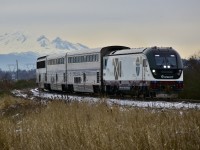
[(149, 72)]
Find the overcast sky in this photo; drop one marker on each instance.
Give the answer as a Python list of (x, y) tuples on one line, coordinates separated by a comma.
[(97, 23)]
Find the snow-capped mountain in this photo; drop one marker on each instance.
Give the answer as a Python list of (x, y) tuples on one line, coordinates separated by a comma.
[(26, 48), (17, 37), (19, 42), (43, 41)]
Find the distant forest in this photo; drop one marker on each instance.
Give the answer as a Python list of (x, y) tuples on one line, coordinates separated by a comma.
[(20, 75), (191, 77)]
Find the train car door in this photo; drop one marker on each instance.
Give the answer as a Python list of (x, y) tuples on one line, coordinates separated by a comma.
[(84, 81)]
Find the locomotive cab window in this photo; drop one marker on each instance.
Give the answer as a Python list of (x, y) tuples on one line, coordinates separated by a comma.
[(166, 61)]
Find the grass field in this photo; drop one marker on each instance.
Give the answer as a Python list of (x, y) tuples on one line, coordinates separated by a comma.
[(31, 125)]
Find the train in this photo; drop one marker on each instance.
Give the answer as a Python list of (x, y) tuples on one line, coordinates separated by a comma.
[(148, 72)]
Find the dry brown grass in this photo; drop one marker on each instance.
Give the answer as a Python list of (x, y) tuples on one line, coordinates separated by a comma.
[(60, 125)]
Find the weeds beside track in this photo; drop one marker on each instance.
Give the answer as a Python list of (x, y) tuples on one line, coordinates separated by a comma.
[(30, 125)]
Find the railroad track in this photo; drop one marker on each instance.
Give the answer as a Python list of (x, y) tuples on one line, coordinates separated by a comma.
[(45, 96), (123, 97)]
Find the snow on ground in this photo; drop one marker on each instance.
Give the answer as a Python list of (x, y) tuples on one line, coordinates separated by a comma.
[(18, 93), (130, 103)]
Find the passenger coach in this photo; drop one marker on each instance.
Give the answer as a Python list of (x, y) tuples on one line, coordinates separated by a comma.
[(74, 71)]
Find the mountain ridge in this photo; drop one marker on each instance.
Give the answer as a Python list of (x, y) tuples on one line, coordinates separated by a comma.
[(20, 42), (26, 48)]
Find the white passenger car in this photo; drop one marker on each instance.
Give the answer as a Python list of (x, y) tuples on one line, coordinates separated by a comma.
[(74, 71), (55, 71)]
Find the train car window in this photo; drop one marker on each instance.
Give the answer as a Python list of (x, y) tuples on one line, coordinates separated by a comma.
[(97, 57), (69, 59), (56, 77), (94, 58), (79, 59), (77, 79), (74, 59), (40, 64), (87, 58), (82, 59), (90, 58)]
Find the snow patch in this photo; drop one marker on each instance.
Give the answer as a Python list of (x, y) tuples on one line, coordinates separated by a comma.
[(129, 103)]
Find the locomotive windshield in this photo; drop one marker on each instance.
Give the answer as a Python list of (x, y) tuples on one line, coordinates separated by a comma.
[(166, 60), (165, 63)]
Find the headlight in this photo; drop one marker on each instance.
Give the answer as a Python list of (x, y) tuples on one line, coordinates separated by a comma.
[(154, 71)]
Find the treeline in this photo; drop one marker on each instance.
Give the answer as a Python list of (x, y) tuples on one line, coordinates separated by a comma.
[(20, 75), (13, 80), (191, 77)]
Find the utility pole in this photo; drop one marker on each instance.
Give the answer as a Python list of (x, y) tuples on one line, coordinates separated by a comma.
[(17, 68)]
